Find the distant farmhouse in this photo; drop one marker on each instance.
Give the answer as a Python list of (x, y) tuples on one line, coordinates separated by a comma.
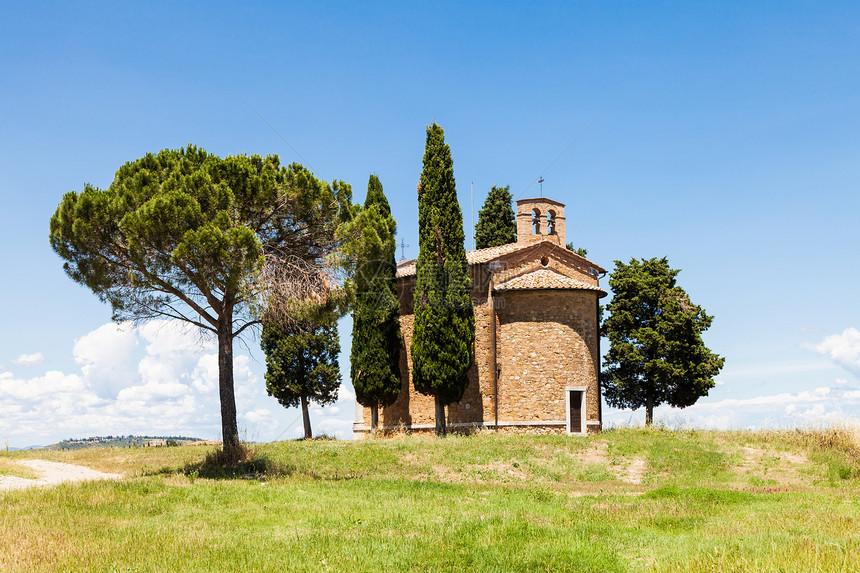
[(536, 337)]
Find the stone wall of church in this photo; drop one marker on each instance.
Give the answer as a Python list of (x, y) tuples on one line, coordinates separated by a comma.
[(545, 341), (548, 341), (415, 409)]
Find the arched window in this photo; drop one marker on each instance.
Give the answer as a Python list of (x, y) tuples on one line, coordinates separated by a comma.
[(536, 221), (550, 222)]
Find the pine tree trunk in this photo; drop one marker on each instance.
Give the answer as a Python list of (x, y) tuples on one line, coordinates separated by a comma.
[(374, 417), (306, 418), (649, 409), (229, 427), (441, 426)]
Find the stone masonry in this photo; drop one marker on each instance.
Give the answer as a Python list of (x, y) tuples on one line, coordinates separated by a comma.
[(536, 338)]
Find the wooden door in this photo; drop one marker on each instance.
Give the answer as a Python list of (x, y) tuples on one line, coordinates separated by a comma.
[(575, 400)]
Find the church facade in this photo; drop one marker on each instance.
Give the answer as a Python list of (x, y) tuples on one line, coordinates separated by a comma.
[(536, 346)]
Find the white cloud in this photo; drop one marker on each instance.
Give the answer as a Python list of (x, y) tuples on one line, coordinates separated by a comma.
[(160, 377), (29, 359), (823, 405), (345, 394), (248, 385), (843, 349), (107, 355), (341, 429), (259, 415), (173, 350), (204, 377), (153, 391), (773, 399), (770, 370), (52, 385)]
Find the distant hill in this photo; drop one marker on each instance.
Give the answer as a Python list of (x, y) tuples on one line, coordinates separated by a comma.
[(122, 442)]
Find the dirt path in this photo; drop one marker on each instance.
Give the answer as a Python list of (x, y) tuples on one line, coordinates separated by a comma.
[(635, 471), (631, 472), (53, 473)]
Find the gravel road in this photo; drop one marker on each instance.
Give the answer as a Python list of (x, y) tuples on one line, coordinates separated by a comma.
[(52, 474)]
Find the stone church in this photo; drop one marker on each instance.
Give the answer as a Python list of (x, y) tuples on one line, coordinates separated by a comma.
[(536, 338)]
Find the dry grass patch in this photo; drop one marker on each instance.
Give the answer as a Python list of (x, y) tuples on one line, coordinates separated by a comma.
[(498, 472), (635, 471), (10, 467), (836, 449), (126, 461), (761, 467), (596, 452), (33, 550), (627, 470)]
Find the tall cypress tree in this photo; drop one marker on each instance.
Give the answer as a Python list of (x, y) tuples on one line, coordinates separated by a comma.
[(496, 220), (444, 323), (376, 339)]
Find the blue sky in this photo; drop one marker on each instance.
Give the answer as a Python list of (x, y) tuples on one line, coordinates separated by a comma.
[(726, 138)]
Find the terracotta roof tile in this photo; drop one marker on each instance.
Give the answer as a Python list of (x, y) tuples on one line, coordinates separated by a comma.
[(484, 255), (546, 279), (407, 268)]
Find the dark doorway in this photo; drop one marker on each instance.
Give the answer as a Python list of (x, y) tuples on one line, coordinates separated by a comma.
[(575, 415)]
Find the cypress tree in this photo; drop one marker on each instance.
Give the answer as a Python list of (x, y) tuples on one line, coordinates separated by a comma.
[(581, 251), (376, 339), (444, 321), (496, 220)]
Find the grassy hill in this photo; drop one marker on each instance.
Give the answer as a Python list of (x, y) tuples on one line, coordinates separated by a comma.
[(626, 500), (122, 442)]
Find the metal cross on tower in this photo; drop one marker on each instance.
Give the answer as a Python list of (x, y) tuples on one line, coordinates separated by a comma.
[(403, 246)]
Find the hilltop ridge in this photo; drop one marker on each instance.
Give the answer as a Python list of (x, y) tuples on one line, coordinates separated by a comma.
[(121, 442)]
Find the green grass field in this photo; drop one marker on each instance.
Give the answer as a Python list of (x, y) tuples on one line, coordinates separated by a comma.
[(626, 500)]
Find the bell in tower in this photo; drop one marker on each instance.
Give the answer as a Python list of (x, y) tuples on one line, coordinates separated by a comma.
[(540, 219)]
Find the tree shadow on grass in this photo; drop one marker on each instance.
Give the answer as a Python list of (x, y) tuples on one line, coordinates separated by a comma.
[(247, 462), (244, 462)]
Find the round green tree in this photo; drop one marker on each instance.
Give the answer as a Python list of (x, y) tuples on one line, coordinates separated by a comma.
[(444, 321), (496, 220), (301, 365), (656, 353)]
